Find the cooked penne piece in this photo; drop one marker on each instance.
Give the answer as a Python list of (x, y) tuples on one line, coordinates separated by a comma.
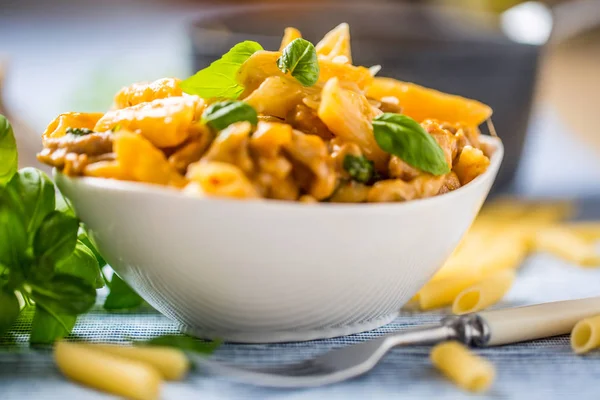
[(565, 244), (58, 127), (117, 375), (588, 230), (466, 369), (106, 169), (488, 292), (139, 159), (585, 336), (336, 44), (164, 122), (471, 163), (441, 293), (422, 103), (171, 363), (289, 35), (219, 179), (143, 92)]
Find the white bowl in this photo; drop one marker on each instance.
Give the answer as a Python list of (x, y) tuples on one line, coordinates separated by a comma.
[(273, 271)]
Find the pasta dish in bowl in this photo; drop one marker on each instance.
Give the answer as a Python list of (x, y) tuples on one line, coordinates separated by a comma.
[(300, 125)]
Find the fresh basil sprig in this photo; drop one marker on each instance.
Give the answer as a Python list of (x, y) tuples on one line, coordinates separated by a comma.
[(121, 296), (219, 79), (402, 136), (360, 168), (300, 59), (222, 114), (41, 259), (8, 151)]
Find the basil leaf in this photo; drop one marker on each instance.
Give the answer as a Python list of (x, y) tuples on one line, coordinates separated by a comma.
[(35, 194), (184, 343), (300, 59), (83, 237), (79, 131), (83, 264), (56, 237), (121, 296), (402, 136), (63, 205), (48, 327), (8, 151), (9, 304), (64, 294), (359, 168), (13, 234), (219, 79), (222, 114)]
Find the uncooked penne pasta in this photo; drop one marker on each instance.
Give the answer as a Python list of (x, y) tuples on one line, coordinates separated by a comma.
[(463, 367), (485, 293), (109, 373), (171, 363), (567, 245), (442, 292), (585, 336)]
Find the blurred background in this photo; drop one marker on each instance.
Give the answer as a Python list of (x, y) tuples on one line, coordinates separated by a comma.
[(536, 63)]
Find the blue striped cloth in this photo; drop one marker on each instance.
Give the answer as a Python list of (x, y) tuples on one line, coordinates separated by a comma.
[(542, 369)]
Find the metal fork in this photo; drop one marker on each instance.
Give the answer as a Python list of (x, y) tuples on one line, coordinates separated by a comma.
[(484, 329)]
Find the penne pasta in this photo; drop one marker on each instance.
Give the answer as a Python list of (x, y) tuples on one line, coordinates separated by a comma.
[(120, 376), (289, 35), (585, 336), (588, 230), (486, 293), (442, 292), (565, 244), (171, 363), (219, 179), (336, 44), (463, 367)]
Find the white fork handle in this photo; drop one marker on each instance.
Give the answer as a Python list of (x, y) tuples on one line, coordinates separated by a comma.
[(513, 325)]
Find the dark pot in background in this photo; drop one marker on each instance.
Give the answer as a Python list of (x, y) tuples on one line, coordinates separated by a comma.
[(449, 49)]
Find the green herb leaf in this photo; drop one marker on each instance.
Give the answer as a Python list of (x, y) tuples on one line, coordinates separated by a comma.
[(56, 237), (63, 205), (83, 264), (64, 294), (219, 80), (360, 168), (121, 296), (300, 59), (13, 234), (8, 151), (222, 114), (184, 343), (9, 304), (79, 131), (46, 328), (83, 237), (404, 137), (33, 191)]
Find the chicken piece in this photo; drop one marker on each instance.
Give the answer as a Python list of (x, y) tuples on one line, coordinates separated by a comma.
[(191, 150), (144, 92), (231, 146), (305, 119), (444, 138), (397, 190), (164, 122), (398, 168), (313, 168), (450, 183)]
